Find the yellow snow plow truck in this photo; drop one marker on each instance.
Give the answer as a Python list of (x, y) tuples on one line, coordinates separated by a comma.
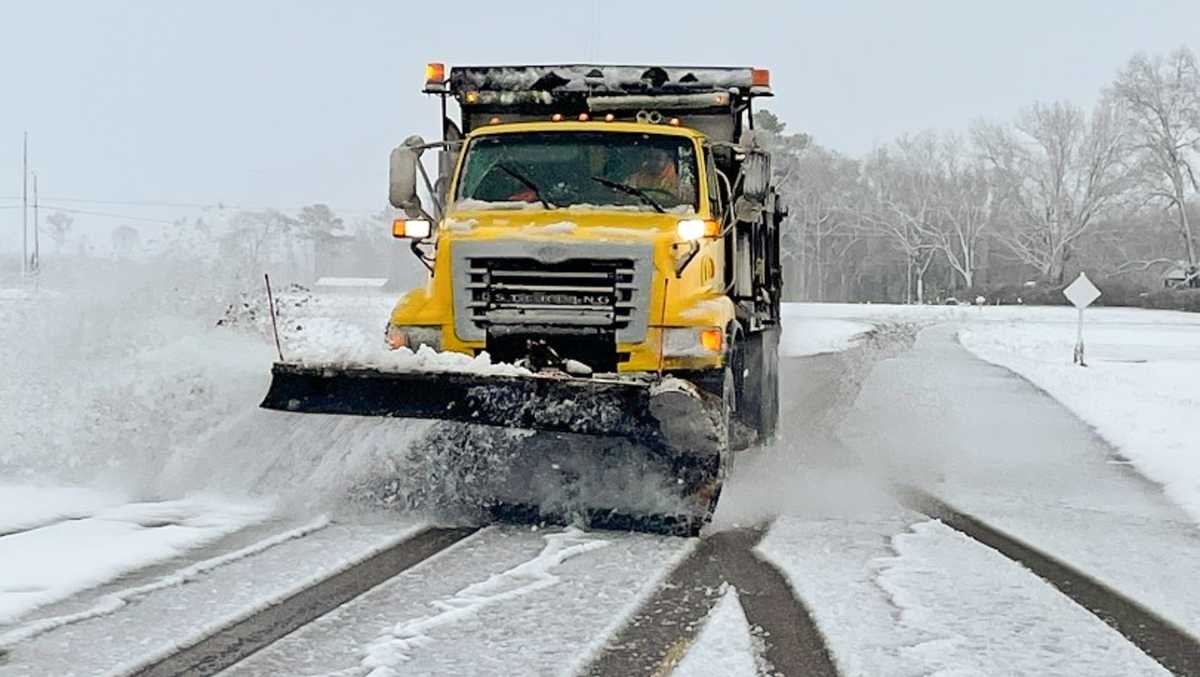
[(614, 230)]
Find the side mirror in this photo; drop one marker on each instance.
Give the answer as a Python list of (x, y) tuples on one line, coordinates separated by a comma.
[(402, 177)]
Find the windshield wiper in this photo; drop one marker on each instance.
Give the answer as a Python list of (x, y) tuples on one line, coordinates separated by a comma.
[(636, 192), (525, 181)]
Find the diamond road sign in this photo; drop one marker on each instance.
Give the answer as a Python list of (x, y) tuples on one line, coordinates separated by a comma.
[(1081, 292)]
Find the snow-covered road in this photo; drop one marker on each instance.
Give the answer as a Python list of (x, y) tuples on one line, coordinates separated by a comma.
[(138, 572)]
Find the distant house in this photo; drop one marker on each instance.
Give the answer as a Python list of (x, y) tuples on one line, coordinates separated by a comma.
[(1182, 275)]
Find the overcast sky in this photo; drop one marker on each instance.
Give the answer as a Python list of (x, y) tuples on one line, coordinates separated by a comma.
[(286, 103)]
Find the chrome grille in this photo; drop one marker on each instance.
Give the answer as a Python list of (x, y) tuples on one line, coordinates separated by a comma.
[(573, 292), (583, 284)]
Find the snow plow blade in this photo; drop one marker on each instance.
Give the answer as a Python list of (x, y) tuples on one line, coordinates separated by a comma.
[(609, 433), (641, 410)]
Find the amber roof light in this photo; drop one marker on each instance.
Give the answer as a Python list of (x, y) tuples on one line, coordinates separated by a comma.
[(435, 73)]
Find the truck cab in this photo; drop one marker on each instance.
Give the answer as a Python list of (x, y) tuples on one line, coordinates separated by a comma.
[(609, 221)]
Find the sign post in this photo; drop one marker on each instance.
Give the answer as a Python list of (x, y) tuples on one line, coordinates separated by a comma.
[(1081, 293)]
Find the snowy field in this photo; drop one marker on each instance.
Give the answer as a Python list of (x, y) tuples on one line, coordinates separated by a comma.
[(1140, 391)]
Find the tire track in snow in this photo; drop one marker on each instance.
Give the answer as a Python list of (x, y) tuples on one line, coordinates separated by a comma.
[(228, 645), (112, 602), (656, 638), (386, 655), (1162, 640)]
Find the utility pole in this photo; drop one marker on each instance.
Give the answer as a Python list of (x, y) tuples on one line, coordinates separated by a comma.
[(25, 205), (37, 249)]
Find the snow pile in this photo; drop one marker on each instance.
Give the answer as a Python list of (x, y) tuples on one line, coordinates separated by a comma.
[(44, 565), (391, 650), (339, 345), (121, 381), (114, 371), (813, 336), (1141, 390), (27, 507), (724, 646)]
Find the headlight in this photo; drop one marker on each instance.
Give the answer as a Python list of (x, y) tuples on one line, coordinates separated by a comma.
[(694, 229), (693, 342), (399, 336)]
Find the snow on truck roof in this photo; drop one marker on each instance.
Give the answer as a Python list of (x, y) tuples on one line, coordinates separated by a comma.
[(590, 126), (608, 79)]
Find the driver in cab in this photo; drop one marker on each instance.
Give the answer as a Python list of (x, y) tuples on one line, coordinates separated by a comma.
[(656, 172)]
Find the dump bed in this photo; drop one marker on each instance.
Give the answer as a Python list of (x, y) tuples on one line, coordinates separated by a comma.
[(711, 99)]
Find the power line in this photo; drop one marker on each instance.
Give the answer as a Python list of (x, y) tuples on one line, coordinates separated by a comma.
[(146, 203), (204, 205), (126, 217)]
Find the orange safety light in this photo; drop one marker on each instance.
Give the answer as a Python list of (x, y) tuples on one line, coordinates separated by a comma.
[(494, 121), (472, 97), (584, 117), (557, 117), (609, 117), (760, 77), (417, 229), (712, 339), (435, 73)]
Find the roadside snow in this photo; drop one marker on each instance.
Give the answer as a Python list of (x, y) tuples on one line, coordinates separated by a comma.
[(25, 507), (45, 565), (813, 336), (1140, 391), (724, 646)]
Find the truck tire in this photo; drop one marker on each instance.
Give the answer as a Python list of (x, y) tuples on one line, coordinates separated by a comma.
[(760, 399)]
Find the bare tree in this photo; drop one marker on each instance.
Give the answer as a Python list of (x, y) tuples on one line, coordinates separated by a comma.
[(1161, 97), (125, 240), (1058, 170), (258, 240), (819, 185), (898, 203), (60, 226), (965, 201)]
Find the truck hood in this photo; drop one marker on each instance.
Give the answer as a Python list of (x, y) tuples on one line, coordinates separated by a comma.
[(570, 223)]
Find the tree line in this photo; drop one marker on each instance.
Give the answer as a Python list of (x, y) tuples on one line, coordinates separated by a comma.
[(1026, 201)]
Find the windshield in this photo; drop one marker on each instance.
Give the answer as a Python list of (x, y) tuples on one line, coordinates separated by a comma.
[(646, 172)]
